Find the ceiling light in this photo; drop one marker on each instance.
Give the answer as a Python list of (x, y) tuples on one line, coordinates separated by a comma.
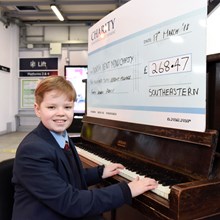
[(57, 12)]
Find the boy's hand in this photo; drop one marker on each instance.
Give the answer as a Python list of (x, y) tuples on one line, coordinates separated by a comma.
[(139, 186), (111, 170)]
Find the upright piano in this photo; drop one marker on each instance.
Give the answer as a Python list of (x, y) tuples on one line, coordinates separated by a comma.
[(185, 163)]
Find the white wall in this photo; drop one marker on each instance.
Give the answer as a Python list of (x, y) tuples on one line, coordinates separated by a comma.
[(73, 40), (9, 46), (213, 32), (43, 40), (10, 52)]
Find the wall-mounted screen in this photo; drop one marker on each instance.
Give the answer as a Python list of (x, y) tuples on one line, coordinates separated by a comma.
[(76, 75)]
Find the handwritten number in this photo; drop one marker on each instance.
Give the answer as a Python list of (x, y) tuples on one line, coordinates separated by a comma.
[(155, 68), (161, 69), (167, 65), (170, 66), (177, 64), (186, 60)]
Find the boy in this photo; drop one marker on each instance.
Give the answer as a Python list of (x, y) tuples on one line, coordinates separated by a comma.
[(50, 184)]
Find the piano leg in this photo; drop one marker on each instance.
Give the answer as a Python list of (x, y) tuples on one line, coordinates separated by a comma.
[(113, 214), (110, 215)]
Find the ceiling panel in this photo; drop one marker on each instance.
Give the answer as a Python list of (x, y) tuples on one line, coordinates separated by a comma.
[(25, 12), (74, 11)]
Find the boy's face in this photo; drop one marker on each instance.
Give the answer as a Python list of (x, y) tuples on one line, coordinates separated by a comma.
[(55, 111)]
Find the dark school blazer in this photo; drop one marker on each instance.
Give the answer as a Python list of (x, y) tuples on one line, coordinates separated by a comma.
[(45, 185)]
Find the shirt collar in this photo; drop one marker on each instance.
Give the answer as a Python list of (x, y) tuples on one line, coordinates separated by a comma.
[(60, 138)]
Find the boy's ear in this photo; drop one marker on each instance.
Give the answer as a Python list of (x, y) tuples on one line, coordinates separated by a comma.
[(37, 109)]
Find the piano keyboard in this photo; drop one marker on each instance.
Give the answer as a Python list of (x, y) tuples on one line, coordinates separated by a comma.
[(161, 190)]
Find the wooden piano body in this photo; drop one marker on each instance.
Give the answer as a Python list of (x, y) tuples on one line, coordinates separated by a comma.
[(191, 157)]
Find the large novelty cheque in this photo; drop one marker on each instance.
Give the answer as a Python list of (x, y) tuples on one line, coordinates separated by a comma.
[(147, 64)]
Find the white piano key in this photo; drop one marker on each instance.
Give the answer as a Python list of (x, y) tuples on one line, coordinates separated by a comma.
[(126, 174), (162, 191)]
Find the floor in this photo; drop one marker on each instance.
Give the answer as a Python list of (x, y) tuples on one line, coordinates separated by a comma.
[(9, 143)]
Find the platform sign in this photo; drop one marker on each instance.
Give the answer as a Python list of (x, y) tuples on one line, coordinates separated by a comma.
[(147, 64), (38, 67)]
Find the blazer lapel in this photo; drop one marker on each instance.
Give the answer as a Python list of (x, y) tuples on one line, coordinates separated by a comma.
[(78, 163)]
